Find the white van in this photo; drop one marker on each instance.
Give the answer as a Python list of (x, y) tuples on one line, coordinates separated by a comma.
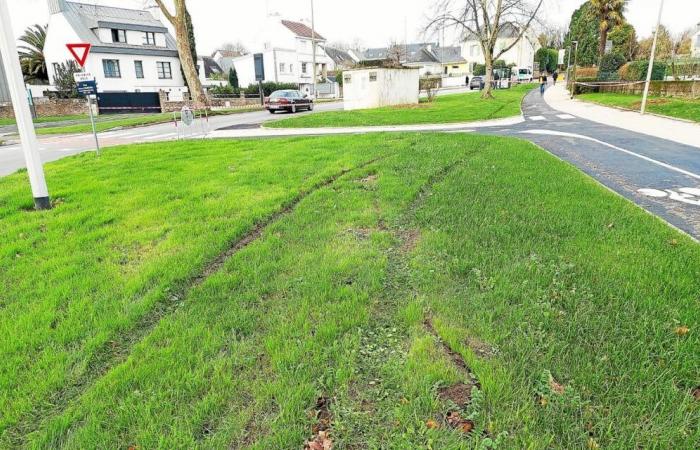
[(525, 75)]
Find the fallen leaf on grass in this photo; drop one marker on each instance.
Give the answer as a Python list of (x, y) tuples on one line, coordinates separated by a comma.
[(696, 393), (455, 420), (592, 444), (320, 442), (432, 425), (674, 242), (556, 387), (682, 331)]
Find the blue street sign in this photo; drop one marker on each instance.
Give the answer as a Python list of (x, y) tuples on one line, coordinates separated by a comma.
[(259, 67), (87, 87)]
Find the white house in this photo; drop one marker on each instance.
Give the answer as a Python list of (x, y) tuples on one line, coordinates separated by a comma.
[(132, 51), (210, 73), (522, 54), (287, 55), (696, 43)]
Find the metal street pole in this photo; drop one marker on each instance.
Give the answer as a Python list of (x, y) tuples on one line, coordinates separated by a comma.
[(313, 46), (23, 115), (651, 59), (573, 78)]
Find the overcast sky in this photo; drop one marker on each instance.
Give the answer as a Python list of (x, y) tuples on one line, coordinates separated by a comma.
[(374, 22)]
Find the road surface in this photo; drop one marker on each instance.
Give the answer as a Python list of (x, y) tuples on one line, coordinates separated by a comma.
[(53, 148)]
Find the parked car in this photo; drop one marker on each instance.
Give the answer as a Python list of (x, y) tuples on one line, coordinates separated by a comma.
[(525, 76), (476, 83), (288, 100)]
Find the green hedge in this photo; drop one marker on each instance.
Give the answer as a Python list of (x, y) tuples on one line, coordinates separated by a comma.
[(637, 71), (269, 87)]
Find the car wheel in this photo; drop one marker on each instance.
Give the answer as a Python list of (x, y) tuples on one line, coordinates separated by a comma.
[(294, 109), (311, 106), (270, 111)]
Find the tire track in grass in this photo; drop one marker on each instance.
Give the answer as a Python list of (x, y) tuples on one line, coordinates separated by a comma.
[(118, 350)]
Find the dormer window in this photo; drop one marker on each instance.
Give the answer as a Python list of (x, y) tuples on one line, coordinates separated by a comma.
[(149, 39), (119, 36)]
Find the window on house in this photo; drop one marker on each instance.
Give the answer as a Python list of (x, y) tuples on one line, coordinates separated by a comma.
[(303, 68), (119, 36), (111, 68), (291, 68), (165, 71), (446, 68), (283, 67), (347, 79), (149, 39), (455, 67), (138, 66), (373, 76)]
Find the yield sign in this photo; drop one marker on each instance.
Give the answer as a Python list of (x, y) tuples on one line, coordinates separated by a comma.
[(80, 52)]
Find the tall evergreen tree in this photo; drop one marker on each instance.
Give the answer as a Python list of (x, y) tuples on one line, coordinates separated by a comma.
[(233, 80), (584, 28)]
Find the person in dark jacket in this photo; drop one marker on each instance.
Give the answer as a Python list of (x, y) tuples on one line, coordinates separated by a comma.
[(467, 81), (543, 82), (555, 77)]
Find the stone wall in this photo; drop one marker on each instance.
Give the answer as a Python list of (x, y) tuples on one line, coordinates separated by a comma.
[(46, 107), (216, 103)]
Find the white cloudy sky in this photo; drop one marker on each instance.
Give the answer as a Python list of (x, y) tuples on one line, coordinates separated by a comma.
[(375, 22)]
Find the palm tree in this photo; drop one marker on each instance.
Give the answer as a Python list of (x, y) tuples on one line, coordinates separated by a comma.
[(610, 13), (31, 53)]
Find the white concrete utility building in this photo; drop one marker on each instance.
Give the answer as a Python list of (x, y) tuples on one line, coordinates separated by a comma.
[(377, 87)]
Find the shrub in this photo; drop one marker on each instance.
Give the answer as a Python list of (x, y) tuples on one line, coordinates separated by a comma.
[(223, 90), (479, 70), (547, 59), (269, 87), (610, 63), (637, 71), (587, 72)]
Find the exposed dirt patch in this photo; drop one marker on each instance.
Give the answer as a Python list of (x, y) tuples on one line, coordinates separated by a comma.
[(454, 356), (696, 393), (455, 420), (370, 179), (480, 348), (409, 240), (361, 233), (460, 394)]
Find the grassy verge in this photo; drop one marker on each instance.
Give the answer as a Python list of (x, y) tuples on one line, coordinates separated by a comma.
[(392, 271), (445, 109), (128, 122), (688, 109), (5, 122)]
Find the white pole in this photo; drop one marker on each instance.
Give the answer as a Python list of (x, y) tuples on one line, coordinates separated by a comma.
[(313, 46), (651, 60), (23, 115)]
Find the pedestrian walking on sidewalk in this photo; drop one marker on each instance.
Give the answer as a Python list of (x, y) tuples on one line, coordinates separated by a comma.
[(543, 82), (555, 77)]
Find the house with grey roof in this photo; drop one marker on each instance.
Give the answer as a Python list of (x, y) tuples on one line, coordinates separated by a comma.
[(429, 58), (520, 51), (132, 50), (210, 72)]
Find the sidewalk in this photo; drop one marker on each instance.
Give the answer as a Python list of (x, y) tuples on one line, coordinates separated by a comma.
[(278, 132), (686, 133)]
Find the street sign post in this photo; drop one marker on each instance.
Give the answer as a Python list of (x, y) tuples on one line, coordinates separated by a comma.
[(80, 52), (87, 86), (25, 125), (260, 74)]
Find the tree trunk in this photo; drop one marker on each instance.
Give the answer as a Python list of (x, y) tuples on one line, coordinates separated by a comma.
[(602, 44), (188, 65), (488, 60)]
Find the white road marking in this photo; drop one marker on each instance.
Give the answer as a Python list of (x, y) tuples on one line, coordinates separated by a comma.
[(690, 196), (537, 118), (614, 147), (565, 116)]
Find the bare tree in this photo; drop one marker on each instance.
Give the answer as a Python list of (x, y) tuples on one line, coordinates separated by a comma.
[(236, 47), (484, 20), (189, 67), (396, 55)]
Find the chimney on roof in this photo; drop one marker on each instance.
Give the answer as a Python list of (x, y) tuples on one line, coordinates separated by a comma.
[(153, 8), (57, 6)]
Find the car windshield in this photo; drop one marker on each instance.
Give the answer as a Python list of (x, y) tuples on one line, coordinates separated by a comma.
[(523, 71)]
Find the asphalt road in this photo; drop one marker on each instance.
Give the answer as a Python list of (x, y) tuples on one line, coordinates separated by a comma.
[(661, 176), (52, 148)]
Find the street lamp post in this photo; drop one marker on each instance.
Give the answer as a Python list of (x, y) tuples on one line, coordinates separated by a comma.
[(651, 60), (23, 115)]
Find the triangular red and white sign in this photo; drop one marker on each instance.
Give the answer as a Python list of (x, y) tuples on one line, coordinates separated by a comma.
[(80, 52)]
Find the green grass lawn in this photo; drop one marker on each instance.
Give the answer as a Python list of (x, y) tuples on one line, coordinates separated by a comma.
[(681, 108), (122, 325), (453, 108), (5, 122), (104, 123)]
